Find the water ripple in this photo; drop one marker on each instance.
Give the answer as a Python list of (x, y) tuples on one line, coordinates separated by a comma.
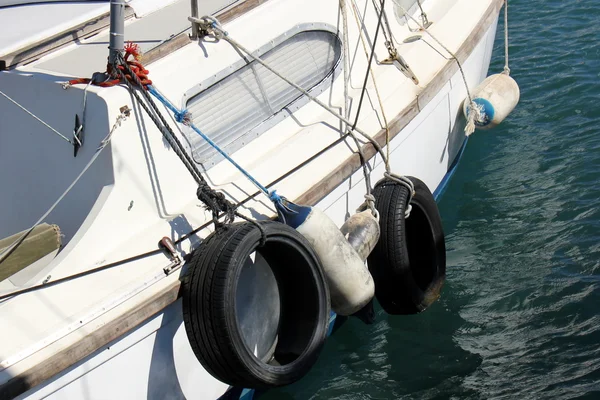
[(519, 314)]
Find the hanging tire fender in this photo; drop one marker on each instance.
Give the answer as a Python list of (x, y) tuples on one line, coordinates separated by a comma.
[(408, 263), (210, 309)]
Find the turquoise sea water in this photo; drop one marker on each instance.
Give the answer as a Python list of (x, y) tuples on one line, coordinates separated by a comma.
[(519, 317)]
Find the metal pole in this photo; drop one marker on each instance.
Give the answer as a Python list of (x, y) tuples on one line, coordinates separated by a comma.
[(117, 29), (195, 27)]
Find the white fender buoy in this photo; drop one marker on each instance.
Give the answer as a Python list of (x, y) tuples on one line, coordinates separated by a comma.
[(350, 283), (495, 98), (362, 231)]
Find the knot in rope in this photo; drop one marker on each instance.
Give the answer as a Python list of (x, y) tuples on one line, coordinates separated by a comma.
[(183, 117), (274, 197), (370, 203), (476, 116), (209, 26), (216, 202)]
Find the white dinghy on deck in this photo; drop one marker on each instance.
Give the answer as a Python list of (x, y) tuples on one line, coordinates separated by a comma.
[(299, 95)]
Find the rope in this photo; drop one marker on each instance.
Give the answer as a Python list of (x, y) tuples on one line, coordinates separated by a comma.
[(35, 117), (215, 201), (8, 251), (135, 69), (388, 174), (183, 117), (218, 32), (158, 119), (389, 36), (182, 238), (387, 129), (81, 274), (407, 183), (346, 58), (369, 199), (423, 15), (473, 110), (364, 88), (506, 68)]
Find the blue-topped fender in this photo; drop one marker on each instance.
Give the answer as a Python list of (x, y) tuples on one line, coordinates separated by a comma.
[(290, 213), (495, 97)]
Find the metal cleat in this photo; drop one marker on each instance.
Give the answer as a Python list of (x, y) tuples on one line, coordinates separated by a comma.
[(77, 136), (397, 60)]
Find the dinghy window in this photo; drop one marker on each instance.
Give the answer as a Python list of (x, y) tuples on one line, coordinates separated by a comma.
[(235, 108)]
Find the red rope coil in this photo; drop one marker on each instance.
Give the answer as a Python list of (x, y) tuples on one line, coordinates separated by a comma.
[(131, 50)]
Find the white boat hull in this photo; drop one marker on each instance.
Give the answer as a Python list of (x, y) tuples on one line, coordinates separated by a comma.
[(155, 360)]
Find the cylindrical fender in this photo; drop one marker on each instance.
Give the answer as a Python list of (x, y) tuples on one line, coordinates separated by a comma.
[(496, 97), (350, 283), (213, 307), (408, 264), (362, 232)]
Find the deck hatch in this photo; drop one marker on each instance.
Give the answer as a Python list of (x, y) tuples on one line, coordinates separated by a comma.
[(236, 107)]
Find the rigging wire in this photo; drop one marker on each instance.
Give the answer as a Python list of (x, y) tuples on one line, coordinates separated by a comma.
[(364, 88), (66, 139), (178, 241), (474, 114), (9, 250)]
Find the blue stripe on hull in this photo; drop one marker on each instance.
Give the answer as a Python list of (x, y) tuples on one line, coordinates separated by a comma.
[(437, 194)]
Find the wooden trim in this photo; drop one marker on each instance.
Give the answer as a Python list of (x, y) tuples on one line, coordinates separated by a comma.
[(89, 344), (183, 39), (131, 319)]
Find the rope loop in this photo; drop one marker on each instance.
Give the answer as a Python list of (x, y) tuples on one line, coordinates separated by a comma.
[(209, 26), (216, 26), (263, 234), (370, 204), (274, 197), (183, 117), (404, 181), (476, 116)]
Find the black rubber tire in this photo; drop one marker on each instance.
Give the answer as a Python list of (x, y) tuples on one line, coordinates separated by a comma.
[(408, 264), (209, 298)]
